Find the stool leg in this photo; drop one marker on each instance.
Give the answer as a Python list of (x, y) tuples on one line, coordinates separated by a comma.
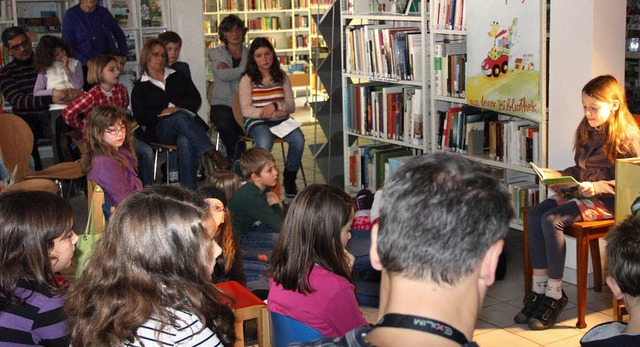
[(284, 159), (582, 268), (304, 177), (155, 164), (239, 334), (597, 265), (168, 168)]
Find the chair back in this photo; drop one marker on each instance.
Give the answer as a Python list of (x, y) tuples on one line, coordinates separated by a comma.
[(286, 330), (95, 200), (16, 143), (237, 111)]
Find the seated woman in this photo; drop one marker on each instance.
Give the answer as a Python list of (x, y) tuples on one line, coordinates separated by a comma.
[(37, 241), (148, 281), (166, 103), (310, 269), (266, 100), (109, 158)]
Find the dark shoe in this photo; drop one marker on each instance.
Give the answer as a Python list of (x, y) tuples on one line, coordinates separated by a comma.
[(221, 162), (546, 314), (289, 183), (530, 303)]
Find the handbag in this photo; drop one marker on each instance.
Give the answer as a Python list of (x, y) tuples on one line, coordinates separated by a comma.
[(88, 240)]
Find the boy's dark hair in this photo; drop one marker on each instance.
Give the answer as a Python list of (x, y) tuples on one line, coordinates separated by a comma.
[(11, 33), (623, 255), (170, 37), (440, 214), (227, 24), (45, 54), (254, 160)]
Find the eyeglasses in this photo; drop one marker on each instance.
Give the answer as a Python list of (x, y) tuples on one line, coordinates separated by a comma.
[(156, 55), (116, 130), (24, 44)]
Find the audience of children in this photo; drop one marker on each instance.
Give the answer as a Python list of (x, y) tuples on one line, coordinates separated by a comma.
[(623, 259), (36, 241), (229, 265), (109, 158), (266, 100), (173, 42), (148, 281), (57, 69), (310, 269)]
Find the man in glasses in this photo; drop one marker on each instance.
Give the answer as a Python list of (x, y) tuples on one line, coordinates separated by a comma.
[(17, 80)]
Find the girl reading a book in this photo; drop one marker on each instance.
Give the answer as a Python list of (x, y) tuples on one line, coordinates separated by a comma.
[(266, 100), (607, 132), (310, 268)]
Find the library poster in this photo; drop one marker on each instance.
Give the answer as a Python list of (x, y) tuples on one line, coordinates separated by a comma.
[(503, 56)]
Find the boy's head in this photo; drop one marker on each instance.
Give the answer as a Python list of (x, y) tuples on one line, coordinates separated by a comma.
[(254, 161), (442, 217), (623, 257), (173, 42)]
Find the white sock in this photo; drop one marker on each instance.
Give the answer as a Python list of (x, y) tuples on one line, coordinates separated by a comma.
[(554, 289), (539, 284)]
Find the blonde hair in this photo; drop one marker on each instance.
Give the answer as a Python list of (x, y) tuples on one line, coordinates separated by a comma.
[(254, 160), (224, 180), (96, 65)]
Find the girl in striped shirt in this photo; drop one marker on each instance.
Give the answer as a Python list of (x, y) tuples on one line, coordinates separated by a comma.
[(266, 100)]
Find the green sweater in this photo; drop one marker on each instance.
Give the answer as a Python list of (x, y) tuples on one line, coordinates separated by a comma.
[(250, 208)]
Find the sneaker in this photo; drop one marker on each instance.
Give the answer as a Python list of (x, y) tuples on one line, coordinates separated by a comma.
[(546, 314), (530, 303), (173, 177)]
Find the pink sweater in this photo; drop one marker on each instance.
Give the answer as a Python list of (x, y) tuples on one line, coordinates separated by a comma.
[(332, 309)]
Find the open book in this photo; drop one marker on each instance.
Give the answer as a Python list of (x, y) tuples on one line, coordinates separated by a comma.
[(565, 186)]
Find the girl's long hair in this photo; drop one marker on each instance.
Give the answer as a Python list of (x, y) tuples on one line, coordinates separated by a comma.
[(29, 223), (621, 132), (101, 118), (224, 235), (155, 254), (45, 54), (310, 235), (277, 75)]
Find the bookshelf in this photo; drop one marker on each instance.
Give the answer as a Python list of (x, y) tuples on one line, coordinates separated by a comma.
[(140, 20), (41, 17), (386, 88), (286, 23)]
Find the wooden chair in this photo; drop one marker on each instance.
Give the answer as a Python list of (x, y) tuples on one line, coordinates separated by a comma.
[(16, 143), (95, 200), (237, 114), (247, 307), (587, 235)]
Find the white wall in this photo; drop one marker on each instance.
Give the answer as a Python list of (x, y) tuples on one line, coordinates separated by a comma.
[(187, 20)]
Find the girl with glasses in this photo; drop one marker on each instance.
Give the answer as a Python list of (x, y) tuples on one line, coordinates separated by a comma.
[(109, 158)]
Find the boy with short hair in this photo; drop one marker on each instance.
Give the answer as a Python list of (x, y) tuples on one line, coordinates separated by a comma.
[(623, 257), (254, 207), (173, 43)]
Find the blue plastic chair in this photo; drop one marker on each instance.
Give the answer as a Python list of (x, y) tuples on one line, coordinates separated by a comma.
[(286, 330)]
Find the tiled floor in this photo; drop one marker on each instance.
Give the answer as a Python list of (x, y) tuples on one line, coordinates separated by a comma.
[(495, 326)]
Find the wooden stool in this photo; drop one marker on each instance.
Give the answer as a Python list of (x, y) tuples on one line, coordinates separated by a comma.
[(157, 148), (247, 307), (586, 235)]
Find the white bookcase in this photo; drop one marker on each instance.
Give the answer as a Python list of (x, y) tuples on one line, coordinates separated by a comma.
[(386, 90)]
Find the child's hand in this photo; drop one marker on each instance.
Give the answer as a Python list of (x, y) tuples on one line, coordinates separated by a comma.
[(350, 258), (72, 94), (272, 199), (587, 189), (167, 111), (222, 66)]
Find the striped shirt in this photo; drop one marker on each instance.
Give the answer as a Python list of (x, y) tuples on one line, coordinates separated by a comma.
[(39, 321), (187, 331), (16, 83), (254, 97)]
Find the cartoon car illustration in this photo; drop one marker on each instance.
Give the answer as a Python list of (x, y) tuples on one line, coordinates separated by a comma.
[(497, 60), (493, 68)]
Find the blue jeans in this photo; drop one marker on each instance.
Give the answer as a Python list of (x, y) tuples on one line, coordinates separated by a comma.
[(181, 129), (145, 162), (264, 138)]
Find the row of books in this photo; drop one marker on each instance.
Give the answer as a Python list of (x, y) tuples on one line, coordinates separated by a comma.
[(401, 7), (384, 51), (524, 193), (370, 165), (300, 41), (264, 23), (450, 60), (450, 15), (49, 23), (472, 131), (301, 21), (264, 4), (385, 111)]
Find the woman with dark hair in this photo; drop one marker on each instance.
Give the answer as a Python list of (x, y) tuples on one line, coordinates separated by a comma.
[(228, 61), (607, 132), (36, 241), (166, 103), (310, 268), (266, 99), (148, 281)]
